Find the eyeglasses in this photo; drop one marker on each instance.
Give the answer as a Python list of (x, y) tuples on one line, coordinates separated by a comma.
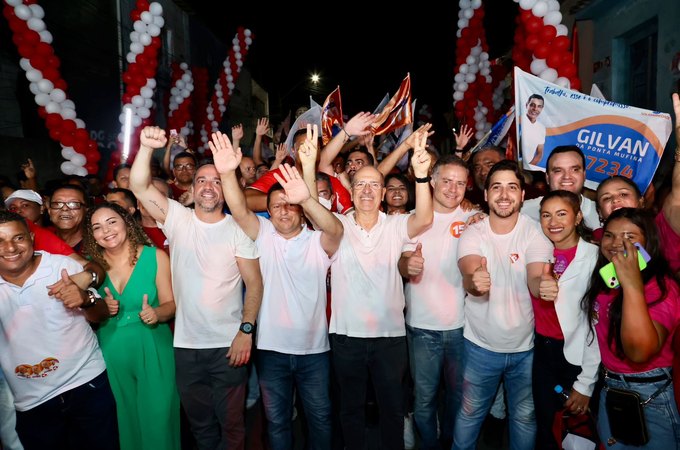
[(374, 185), (185, 167), (69, 205)]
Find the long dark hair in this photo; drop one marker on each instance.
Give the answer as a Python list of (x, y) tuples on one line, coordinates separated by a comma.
[(657, 268), (410, 191)]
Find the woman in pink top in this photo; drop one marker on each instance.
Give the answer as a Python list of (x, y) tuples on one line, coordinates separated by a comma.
[(634, 323)]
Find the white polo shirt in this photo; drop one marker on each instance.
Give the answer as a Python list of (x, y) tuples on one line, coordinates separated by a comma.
[(503, 319), (367, 290), (436, 300), (532, 208), (46, 348), (293, 312), (533, 135), (205, 277)]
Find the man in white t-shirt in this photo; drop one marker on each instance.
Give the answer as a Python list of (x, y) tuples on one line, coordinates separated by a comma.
[(50, 355), (501, 259), (566, 170), (368, 334), (292, 332), (434, 305), (210, 259), (533, 132)]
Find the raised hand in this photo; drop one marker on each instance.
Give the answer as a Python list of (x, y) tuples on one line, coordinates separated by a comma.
[(112, 304), (281, 152), (262, 126), (421, 158), (226, 158), (411, 139), (68, 292), (296, 191), (148, 314), (416, 262), (309, 148), (627, 267), (547, 287), (676, 111), (153, 137), (481, 279), (29, 169), (237, 132), (463, 136), (358, 125), (367, 140)]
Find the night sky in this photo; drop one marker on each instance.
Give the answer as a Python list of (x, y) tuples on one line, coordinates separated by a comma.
[(366, 54)]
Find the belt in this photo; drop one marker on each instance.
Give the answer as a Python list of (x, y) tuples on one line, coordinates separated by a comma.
[(631, 379)]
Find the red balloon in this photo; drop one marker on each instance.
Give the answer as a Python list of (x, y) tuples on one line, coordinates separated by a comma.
[(554, 60), (51, 74), (92, 146), (54, 61), (135, 15), (42, 112), (67, 139), (127, 98), (92, 168), (561, 43), (68, 126), (149, 72), (548, 33), (542, 50), (61, 84), (53, 121), (138, 81), (18, 39), (31, 37), (26, 51), (532, 41), (39, 62), (568, 70), (55, 133), (567, 58), (575, 84), (525, 15), (80, 146), (143, 5), (534, 24), (44, 49), (82, 136)]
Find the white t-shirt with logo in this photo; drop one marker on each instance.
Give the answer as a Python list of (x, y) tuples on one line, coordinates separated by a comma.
[(205, 277), (503, 319), (293, 313), (46, 349), (435, 301)]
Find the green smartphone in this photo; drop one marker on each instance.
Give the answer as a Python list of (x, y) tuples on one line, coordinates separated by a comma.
[(608, 272)]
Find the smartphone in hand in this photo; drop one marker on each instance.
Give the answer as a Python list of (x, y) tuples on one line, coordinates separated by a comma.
[(608, 272)]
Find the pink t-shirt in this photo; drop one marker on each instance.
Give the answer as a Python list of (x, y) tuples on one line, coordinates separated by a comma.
[(670, 241), (664, 313), (547, 323)]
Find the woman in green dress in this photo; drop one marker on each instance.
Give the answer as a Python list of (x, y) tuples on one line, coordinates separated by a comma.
[(135, 340)]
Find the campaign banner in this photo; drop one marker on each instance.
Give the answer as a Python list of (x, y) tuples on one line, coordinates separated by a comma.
[(616, 139)]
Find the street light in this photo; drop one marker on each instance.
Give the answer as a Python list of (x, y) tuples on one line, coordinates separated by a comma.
[(315, 78)]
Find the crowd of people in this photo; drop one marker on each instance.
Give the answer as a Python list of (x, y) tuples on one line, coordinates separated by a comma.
[(459, 286)]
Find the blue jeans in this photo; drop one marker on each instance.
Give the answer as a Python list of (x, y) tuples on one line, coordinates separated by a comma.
[(310, 374), (433, 354), (484, 370), (663, 422)]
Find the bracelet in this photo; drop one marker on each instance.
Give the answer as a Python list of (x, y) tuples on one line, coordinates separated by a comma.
[(423, 180), (346, 134), (95, 279)]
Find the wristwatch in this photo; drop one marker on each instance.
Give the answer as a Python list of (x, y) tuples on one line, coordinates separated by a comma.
[(423, 179), (95, 279), (247, 327), (89, 301)]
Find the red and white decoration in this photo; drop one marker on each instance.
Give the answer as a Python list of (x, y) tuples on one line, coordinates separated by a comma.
[(472, 89), (41, 66), (542, 45), (224, 85), (179, 105)]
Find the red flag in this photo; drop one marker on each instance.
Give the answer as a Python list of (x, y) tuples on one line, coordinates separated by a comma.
[(397, 112), (331, 114)]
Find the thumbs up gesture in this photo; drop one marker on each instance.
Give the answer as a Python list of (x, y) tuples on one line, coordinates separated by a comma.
[(67, 291), (148, 314), (548, 288), (111, 303), (481, 280), (416, 261)]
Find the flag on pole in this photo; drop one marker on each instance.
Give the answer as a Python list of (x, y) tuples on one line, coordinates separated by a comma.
[(311, 116), (496, 134), (331, 115), (397, 112)]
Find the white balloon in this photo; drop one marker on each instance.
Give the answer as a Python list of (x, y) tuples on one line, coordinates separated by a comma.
[(230, 77), (57, 95), (14, 3), (184, 66), (476, 4), (67, 168), (121, 118), (185, 131), (68, 113), (23, 12), (35, 24), (473, 69), (136, 121), (562, 30), (462, 23), (553, 5), (146, 92), (469, 78), (33, 87), (67, 152), (484, 71), (68, 104), (25, 64), (222, 108), (45, 86), (134, 36), (563, 82), (549, 75), (156, 9), (538, 66), (247, 32), (464, 4), (475, 51), (484, 110), (219, 93), (42, 99), (248, 41), (151, 83), (186, 77), (220, 101), (130, 57), (46, 36), (137, 100), (462, 87), (34, 75), (148, 103), (146, 17), (185, 93), (553, 18), (139, 26), (239, 63), (78, 159), (527, 4), (179, 99), (484, 56), (459, 77), (479, 126), (231, 87), (153, 29), (79, 123), (478, 116), (136, 48), (458, 96), (36, 11), (145, 39), (211, 117), (159, 21), (143, 112), (540, 8), (214, 124), (80, 171), (468, 13), (479, 135), (174, 91), (463, 68)]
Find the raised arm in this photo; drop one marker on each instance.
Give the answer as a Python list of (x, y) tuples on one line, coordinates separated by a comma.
[(260, 130), (307, 156), (140, 174), (390, 161), (227, 159), (237, 135), (356, 126), (422, 219), (671, 206)]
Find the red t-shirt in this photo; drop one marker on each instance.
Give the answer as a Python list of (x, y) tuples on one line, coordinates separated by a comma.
[(158, 238), (176, 191), (45, 240), (546, 321), (343, 198)]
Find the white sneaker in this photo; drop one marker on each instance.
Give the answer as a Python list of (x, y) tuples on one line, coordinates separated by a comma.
[(409, 435)]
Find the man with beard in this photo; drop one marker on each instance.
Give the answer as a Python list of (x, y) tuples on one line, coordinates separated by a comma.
[(501, 259), (210, 259)]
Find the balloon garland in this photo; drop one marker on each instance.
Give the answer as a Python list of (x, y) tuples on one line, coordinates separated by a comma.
[(199, 102), (33, 41), (179, 117), (473, 93), (225, 83), (542, 45)]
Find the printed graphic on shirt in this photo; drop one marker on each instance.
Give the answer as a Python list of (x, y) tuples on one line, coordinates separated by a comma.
[(457, 229), (514, 257), (40, 370)]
